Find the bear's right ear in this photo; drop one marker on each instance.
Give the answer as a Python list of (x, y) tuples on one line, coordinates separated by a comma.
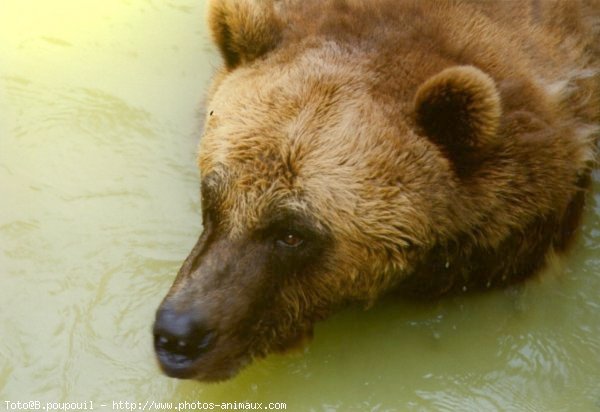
[(459, 109), (243, 29)]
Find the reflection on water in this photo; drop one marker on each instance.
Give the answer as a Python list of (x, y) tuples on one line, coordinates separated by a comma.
[(99, 205)]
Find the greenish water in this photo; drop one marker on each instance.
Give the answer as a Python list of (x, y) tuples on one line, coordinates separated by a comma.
[(99, 206)]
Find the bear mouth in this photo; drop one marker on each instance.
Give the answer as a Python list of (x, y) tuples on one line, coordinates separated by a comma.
[(209, 365), (196, 370), (175, 366), (219, 359)]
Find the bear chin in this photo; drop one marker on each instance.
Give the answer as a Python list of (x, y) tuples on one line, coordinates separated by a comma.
[(202, 370)]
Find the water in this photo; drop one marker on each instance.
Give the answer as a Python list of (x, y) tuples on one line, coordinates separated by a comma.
[(99, 206)]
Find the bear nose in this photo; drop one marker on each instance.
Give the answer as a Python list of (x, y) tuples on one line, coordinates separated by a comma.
[(180, 338)]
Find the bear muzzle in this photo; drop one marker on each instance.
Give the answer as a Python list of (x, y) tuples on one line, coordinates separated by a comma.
[(204, 327), (180, 339)]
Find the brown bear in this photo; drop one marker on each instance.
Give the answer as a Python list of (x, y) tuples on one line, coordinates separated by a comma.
[(356, 147)]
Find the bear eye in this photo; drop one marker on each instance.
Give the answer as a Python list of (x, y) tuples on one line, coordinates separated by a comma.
[(290, 240)]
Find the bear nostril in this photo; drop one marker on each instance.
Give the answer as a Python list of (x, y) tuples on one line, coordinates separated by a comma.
[(179, 338)]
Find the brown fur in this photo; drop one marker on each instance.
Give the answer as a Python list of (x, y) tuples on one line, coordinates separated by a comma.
[(430, 147)]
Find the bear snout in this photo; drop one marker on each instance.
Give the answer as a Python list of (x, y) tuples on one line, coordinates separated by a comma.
[(180, 339)]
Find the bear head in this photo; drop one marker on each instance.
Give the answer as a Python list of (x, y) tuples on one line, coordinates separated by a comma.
[(318, 191)]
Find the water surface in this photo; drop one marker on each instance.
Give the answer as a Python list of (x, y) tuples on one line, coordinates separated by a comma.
[(99, 206)]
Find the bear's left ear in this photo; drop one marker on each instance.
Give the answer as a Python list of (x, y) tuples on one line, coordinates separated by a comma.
[(243, 29), (459, 109)]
